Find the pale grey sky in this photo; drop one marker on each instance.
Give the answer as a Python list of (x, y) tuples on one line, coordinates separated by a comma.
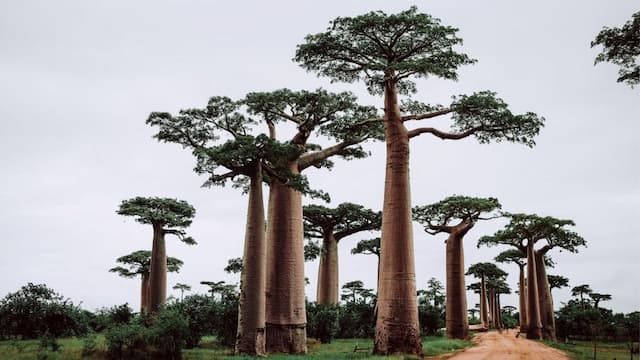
[(78, 79)]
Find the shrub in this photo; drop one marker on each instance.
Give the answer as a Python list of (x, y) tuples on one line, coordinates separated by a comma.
[(36, 310), (322, 321), (431, 319), (356, 320), (199, 311), (126, 341)]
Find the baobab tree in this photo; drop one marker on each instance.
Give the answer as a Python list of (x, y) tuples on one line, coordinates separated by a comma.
[(369, 247), (167, 217), (597, 297), (218, 287), (557, 281), (339, 118), (581, 290), (352, 289), (247, 161), (385, 51), (455, 216), (486, 272), (139, 263), (496, 287), (621, 46), (519, 258), (182, 287), (522, 232), (333, 225)]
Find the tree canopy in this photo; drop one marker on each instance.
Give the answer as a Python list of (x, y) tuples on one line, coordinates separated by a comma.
[(621, 46), (557, 281), (139, 262), (155, 210), (524, 227), (367, 247), (439, 217), (489, 270), (344, 220)]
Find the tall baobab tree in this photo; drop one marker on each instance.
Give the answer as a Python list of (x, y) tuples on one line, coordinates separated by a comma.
[(167, 217), (455, 216), (139, 263), (247, 161), (333, 225), (581, 290), (496, 287), (522, 232), (486, 272), (621, 46), (385, 51), (334, 116)]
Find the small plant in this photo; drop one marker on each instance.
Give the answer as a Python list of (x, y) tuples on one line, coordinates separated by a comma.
[(49, 342), (89, 344)]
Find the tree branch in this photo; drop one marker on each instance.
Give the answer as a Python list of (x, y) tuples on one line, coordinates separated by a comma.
[(315, 157), (428, 115), (444, 135)]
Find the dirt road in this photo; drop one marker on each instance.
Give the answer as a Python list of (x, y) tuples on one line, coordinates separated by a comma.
[(495, 346)]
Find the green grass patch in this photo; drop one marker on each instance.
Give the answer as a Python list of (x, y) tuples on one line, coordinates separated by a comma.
[(71, 348), (583, 350)]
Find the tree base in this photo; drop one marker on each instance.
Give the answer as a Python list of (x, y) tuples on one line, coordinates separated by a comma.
[(251, 344), (458, 332), (398, 339), (549, 334), (534, 333), (289, 339)]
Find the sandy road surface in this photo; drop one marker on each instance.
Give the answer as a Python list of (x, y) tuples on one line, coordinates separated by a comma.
[(495, 346)]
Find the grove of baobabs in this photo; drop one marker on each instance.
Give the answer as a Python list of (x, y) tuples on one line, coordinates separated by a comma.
[(351, 179)]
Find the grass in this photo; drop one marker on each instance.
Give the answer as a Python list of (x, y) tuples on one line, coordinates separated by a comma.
[(583, 350), (71, 348)]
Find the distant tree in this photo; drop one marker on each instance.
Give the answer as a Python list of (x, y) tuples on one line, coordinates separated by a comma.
[(139, 263), (166, 216), (473, 312), (455, 216), (597, 297), (581, 290), (496, 287), (218, 287), (353, 289), (486, 272), (182, 288), (332, 225), (518, 257), (433, 293), (509, 309), (621, 46), (522, 232), (385, 51)]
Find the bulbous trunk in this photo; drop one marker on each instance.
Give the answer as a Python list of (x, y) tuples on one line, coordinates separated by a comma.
[(144, 293), (534, 330), (158, 271), (522, 301), (484, 313), (328, 285), (250, 338), (545, 301), (286, 317), (457, 322), (397, 329)]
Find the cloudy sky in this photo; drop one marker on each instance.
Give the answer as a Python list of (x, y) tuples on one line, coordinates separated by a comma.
[(79, 78)]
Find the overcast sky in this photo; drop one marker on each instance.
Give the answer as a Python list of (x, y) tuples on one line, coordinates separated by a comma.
[(79, 78)]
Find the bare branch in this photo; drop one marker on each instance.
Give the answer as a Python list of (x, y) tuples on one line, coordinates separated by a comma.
[(428, 115), (444, 135)]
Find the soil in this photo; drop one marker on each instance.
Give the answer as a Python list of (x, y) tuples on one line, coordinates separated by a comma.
[(504, 345)]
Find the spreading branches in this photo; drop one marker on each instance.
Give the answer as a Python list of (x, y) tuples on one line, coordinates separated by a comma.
[(345, 220), (455, 213), (621, 46)]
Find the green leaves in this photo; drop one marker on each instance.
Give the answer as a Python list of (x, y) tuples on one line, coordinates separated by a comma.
[(139, 262), (344, 220), (370, 246), (438, 217), (376, 47), (486, 269), (621, 46), (490, 119), (534, 228), (162, 211)]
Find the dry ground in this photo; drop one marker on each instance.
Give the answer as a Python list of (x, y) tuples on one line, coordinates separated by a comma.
[(505, 346)]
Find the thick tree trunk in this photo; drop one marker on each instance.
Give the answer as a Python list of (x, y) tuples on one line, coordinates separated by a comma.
[(286, 317), (545, 301), (251, 307), (328, 285), (397, 328), (158, 270), (144, 293), (534, 330), (456, 310), (492, 309), (523, 301), (484, 316), (498, 312)]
